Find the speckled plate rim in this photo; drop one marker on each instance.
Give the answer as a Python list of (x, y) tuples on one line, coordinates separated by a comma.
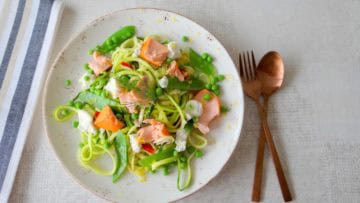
[(72, 39)]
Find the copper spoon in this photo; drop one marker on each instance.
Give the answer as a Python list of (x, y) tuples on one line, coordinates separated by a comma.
[(270, 73)]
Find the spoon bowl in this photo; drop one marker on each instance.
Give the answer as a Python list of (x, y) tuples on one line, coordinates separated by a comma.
[(270, 72)]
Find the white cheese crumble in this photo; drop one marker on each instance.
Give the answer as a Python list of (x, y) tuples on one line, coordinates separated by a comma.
[(137, 49), (180, 140), (86, 122), (134, 144), (163, 82), (193, 108), (113, 88), (174, 51)]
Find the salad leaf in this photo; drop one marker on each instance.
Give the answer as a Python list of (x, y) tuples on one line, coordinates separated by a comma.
[(97, 101), (193, 84), (121, 150)]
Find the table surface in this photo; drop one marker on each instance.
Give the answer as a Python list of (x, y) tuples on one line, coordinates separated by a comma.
[(315, 118)]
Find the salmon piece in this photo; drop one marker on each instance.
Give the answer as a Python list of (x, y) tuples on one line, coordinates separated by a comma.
[(131, 100), (107, 120), (175, 71), (99, 63), (127, 99), (135, 97), (211, 109), (156, 133), (154, 52)]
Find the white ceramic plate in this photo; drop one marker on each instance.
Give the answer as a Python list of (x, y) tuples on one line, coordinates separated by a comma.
[(225, 131)]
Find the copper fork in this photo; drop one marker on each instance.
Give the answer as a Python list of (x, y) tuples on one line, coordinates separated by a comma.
[(252, 88)]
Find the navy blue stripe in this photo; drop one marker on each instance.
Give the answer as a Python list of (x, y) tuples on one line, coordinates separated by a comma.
[(11, 43), (20, 98)]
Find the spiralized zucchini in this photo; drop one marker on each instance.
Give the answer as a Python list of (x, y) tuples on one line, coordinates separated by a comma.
[(138, 78)]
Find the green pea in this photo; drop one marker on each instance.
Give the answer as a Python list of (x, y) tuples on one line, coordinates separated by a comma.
[(168, 60), (166, 170), (79, 105), (165, 41), (207, 97), (91, 72), (208, 86), (134, 116), (215, 87), (86, 78), (159, 91), (185, 38), (86, 66), (198, 153), (75, 124), (209, 59), (67, 83)]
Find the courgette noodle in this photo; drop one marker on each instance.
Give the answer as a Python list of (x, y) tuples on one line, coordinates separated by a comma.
[(159, 95)]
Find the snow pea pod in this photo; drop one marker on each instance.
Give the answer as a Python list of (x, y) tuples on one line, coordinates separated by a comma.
[(166, 153), (115, 40), (121, 150), (201, 64)]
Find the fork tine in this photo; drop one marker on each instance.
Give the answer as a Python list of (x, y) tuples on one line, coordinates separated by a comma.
[(242, 73), (253, 63), (248, 66)]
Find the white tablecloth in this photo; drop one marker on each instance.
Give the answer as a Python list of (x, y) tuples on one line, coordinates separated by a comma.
[(315, 118)]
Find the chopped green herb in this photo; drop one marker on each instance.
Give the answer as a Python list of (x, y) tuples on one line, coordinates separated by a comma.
[(134, 116), (86, 78), (75, 124), (224, 108), (185, 38), (221, 77), (204, 55)]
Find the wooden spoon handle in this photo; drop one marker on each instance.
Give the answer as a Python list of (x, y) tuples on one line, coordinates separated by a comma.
[(256, 192), (279, 170)]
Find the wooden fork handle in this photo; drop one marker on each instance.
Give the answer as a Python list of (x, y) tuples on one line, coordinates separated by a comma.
[(278, 168), (256, 192)]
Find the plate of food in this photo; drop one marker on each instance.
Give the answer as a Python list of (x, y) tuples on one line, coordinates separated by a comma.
[(143, 105)]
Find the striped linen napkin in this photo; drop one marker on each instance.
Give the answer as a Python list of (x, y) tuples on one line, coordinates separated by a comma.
[(27, 30)]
